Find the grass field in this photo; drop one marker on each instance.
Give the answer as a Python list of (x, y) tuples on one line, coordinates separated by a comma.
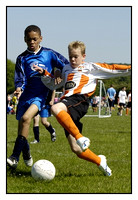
[(109, 136)]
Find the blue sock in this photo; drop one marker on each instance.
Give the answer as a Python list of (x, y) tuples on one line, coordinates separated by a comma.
[(36, 132), (26, 151), (50, 129), (18, 147)]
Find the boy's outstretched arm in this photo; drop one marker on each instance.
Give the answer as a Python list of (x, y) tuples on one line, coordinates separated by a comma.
[(114, 66)]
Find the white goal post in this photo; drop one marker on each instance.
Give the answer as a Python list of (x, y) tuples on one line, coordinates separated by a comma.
[(103, 104)]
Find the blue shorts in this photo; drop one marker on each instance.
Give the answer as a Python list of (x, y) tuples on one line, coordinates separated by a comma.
[(24, 105), (46, 111)]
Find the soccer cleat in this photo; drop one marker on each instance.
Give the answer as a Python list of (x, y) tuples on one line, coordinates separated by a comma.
[(12, 162), (83, 142), (104, 167), (53, 136), (34, 142), (29, 162)]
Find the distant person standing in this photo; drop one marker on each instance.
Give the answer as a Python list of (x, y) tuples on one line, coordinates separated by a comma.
[(94, 103), (129, 104), (111, 93), (122, 100)]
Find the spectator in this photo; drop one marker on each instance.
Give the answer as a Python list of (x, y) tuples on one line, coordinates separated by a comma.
[(129, 104), (122, 97), (111, 93)]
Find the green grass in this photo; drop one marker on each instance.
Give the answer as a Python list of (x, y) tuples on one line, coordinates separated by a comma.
[(109, 136)]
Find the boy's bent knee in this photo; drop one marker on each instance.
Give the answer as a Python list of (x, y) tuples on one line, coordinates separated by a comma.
[(45, 123), (56, 108), (26, 119)]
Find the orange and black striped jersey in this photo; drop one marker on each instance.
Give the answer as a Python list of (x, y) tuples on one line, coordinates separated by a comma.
[(83, 79)]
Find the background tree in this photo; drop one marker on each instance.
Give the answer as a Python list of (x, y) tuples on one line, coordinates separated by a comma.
[(10, 76)]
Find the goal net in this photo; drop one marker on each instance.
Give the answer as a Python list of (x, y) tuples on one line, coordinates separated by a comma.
[(99, 105)]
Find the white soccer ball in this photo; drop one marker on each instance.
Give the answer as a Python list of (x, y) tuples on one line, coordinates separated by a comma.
[(43, 170)]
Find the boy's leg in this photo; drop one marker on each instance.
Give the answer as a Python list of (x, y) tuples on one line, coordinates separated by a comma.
[(45, 113), (127, 109), (26, 119), (60, 112), (49, 128), (36, 129), (36, 134), (90, 156), (86, 155), (121, 110), (21, 143), (26, 155)]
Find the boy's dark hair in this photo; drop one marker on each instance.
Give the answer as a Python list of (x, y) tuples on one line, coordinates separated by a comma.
[(32, 28)]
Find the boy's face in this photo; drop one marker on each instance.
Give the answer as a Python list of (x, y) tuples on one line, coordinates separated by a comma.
[(76, 58), (33, 40)]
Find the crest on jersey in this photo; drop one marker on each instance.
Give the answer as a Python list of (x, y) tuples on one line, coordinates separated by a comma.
[(38, 64), (69, 85)]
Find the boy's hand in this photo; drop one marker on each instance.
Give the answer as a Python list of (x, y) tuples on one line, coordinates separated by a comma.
[(57, 76), (51, 103), (18, 92), (38, 69)]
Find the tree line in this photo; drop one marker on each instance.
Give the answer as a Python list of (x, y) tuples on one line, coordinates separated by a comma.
[(118, 82)]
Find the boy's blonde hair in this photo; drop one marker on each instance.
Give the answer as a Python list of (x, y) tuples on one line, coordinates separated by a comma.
[(76, 45)]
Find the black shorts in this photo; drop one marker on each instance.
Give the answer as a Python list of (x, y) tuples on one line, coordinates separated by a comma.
[(111, 103), (94, 105), (77, 105), (129, 104), (122, 104)]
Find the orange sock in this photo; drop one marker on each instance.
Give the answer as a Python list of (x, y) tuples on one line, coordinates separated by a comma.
[(90, 156), (126, 111), (66, 121)]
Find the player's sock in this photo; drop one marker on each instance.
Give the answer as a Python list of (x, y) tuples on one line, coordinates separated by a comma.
[(90, 156), (18, 147), (126, 111), (66, 121), (36, 132), (50, 129), (26, 151)]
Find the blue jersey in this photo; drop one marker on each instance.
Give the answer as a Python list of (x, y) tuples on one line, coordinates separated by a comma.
[(111, 92), (28, 79)]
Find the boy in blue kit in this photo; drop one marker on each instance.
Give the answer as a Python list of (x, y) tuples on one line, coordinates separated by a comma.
[(34, 92)]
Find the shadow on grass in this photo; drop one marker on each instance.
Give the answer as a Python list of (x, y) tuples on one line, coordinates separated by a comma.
[(17, 173), (71, 174), (23, 173)]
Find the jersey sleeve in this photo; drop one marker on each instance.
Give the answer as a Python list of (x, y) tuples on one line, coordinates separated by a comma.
[(19, 76), (105, 71), (49, 81), (114, 66), (59, 61)]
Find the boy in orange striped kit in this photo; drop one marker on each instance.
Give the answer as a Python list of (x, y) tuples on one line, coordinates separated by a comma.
[(79, 81)]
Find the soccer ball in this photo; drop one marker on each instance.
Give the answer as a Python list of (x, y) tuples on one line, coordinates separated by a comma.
[(43, 170)]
